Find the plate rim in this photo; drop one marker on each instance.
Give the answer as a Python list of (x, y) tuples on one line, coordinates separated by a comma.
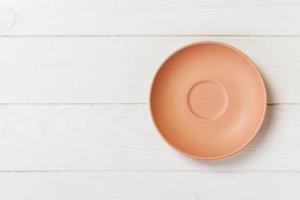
[(259, 75)]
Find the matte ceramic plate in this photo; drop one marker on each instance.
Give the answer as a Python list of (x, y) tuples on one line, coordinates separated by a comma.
[(208, 100)]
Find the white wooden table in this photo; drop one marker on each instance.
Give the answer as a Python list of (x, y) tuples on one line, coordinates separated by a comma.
[(74, 83)]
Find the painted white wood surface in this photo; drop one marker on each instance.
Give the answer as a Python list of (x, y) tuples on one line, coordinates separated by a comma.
[(120, 69), (149, 185), (57, 17), (74, 84), (122, 137)]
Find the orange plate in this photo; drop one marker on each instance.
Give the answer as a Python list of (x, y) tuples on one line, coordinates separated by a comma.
[(208, 100)]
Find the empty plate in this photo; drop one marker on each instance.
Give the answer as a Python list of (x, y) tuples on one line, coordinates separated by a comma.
[(208, 100)]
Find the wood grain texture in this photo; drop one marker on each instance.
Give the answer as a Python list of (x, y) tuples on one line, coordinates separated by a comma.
[(95, 137), (118, 69), (8, 17), (149, 186), (88, 17), (57, 54)]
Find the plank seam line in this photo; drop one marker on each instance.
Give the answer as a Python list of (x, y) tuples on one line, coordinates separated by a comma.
[(150, 171), (75, 104), (108, 104), (147, 35)]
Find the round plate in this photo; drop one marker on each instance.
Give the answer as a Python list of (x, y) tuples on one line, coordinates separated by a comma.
[(208, 100)]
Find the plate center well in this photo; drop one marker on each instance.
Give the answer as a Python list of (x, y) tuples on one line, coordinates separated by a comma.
[(207, 100)]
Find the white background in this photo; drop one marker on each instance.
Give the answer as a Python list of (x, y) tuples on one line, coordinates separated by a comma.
[(74, 84)]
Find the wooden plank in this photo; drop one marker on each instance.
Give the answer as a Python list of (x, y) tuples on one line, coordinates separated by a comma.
[(56, 17), (95, 137), (118, 69), (148, 185)]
